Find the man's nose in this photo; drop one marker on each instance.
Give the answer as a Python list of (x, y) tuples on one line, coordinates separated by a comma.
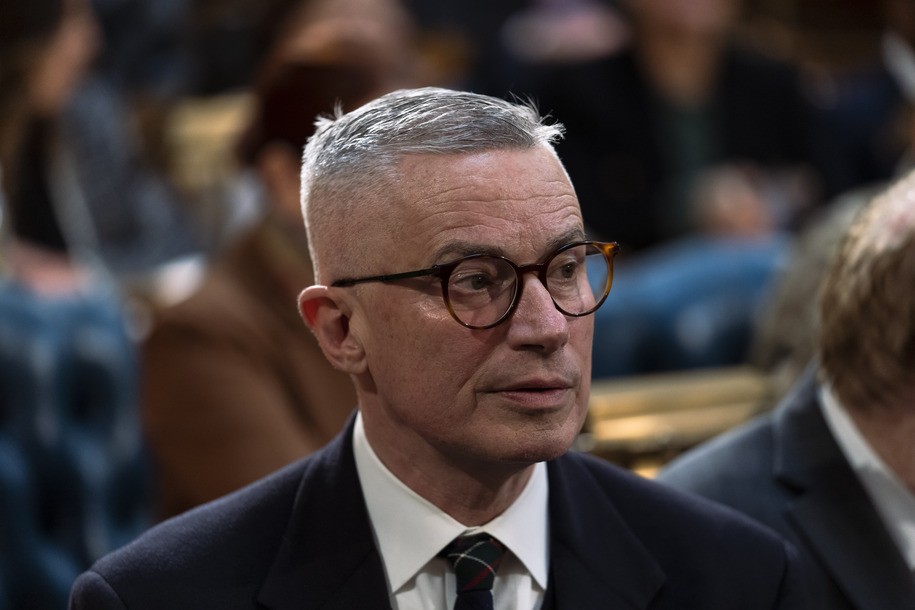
[(536, 322)]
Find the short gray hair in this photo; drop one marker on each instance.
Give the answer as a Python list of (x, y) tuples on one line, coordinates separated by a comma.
[(351, 158)]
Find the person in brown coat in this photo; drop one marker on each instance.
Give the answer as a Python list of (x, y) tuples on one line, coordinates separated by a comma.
[(234, 385)]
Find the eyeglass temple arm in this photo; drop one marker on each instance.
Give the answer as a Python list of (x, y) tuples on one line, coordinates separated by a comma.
[(384, 278)]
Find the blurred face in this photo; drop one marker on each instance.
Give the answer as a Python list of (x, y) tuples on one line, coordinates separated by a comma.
[(435, 390), (66, 58), (698, 17)]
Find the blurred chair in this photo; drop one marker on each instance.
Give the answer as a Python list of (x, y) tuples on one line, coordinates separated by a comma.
[(73, 475)]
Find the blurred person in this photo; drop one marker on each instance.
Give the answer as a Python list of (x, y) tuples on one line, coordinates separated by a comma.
[(832, 468), (464, 36), (262, 393), (693, 301), (870, 109), (875, 129), (138, 222), (559, 31), (783, 338), (537, 35), (684, 95), (72, 465), (687, 147), (454, 285), (46, 50), (489, 45), (380, 36)]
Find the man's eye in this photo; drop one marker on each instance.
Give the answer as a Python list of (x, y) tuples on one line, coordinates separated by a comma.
[(568, 270), (473, 281)]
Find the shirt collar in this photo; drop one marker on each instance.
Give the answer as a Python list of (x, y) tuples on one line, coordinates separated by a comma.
[(409, 530), (893, 501)]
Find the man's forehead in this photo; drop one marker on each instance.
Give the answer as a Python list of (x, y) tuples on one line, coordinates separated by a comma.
[(496, 201), (479, 180)]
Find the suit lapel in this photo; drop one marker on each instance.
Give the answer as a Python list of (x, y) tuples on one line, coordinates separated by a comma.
[(595, 559), (864, 562), (833, 513), (328, 558)]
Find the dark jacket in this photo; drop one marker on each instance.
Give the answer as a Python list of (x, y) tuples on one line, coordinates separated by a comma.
[(786, 470), (301, 538)]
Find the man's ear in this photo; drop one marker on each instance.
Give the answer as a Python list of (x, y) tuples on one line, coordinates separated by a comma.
[(329, 320)]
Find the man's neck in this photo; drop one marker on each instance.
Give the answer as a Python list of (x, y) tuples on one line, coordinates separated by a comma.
[(466, 499), (471, 492)]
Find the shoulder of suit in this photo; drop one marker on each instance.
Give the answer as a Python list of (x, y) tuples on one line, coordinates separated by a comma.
[(736, 454), (642, 501)]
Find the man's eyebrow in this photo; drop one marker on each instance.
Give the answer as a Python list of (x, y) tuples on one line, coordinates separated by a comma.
[(576, 234), (456, 250)]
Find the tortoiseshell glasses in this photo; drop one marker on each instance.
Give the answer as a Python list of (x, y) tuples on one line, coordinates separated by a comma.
[(483, 290)]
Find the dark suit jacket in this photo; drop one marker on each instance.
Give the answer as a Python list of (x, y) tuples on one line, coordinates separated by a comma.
[(786, 470), (301, 538)]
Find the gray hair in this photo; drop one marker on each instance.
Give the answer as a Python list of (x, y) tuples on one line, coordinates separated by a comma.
[(351, 159)]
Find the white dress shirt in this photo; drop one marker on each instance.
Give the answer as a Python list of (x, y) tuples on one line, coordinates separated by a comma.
[(410, 531), (894, 502)]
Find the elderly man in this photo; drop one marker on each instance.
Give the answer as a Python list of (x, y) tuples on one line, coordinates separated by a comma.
[(833, 467), (454, 283)]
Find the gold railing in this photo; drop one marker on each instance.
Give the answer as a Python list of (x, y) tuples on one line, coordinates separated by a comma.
[(642, 422)]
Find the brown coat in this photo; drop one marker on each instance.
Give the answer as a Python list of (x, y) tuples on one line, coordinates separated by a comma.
[(234, 384)]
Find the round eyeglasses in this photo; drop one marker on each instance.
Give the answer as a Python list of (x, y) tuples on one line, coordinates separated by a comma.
[(483, 290)]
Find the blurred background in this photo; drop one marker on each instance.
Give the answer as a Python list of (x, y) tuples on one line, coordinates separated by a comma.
[(151, 357)]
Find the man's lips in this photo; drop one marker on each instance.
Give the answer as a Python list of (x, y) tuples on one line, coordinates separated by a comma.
[(539, 383), (535, 386), (548, 393)]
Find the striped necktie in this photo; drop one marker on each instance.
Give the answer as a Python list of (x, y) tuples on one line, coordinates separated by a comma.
[(475, 560)]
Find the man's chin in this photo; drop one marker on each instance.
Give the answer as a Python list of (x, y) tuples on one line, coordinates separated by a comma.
[(540, 450)]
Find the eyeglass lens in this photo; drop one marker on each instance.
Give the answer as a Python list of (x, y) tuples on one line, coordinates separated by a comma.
[(481, 290)]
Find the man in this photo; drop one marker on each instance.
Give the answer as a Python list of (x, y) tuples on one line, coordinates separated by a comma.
[(472, 377), (833, 467)]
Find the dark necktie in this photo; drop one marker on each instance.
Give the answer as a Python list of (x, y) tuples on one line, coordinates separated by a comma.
[(475, 560)]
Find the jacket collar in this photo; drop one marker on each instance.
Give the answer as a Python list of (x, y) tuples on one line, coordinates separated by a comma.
[(595, 558), (832, 512), (328, 558)]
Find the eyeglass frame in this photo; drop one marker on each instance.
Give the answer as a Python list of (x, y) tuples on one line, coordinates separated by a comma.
[(443, 272)]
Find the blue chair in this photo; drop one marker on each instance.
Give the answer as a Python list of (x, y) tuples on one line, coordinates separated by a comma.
[(687, 305), (74, 477)]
